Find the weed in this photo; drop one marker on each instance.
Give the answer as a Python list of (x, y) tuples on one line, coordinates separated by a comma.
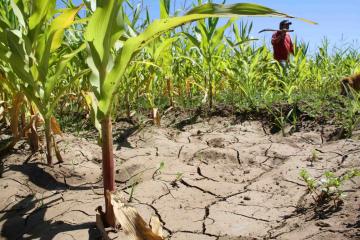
[(329, 187)]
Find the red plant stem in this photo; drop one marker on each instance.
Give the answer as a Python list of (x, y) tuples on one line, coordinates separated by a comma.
[(108, 169)]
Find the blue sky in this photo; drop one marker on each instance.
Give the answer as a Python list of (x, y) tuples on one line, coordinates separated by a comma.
[(338, 20)]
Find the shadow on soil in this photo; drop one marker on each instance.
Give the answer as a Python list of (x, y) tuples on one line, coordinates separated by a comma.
[(42, 179), (121, 138), (25, 220)]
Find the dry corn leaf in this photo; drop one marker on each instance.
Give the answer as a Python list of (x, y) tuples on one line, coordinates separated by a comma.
[(133, 224), (57, 151), (34, 136), (14, 114), (55, 127), (156, 116)]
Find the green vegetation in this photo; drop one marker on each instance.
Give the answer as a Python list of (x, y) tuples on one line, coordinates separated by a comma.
[(112, 63), (329, 187)]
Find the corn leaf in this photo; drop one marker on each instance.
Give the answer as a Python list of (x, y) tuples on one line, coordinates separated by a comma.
[(41, 9), (59, 24), (164, 8), (219, 32), (92, 104), (18, 14), (163, 46), (60, 67), (104, 27), (55, 126)]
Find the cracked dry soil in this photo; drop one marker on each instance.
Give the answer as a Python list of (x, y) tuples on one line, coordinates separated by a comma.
[(219, 181)]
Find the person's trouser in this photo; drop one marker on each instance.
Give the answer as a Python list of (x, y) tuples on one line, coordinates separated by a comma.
[(285, 66)]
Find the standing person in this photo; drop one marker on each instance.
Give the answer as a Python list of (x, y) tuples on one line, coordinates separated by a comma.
[(282, 44)]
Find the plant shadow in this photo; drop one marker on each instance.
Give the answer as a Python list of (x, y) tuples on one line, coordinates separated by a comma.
[(44, 180), (26, 220)]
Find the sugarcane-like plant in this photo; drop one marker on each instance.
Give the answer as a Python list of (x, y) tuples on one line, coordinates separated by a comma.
[(109, 64)]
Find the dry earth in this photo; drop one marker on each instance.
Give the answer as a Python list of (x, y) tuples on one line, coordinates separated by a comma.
[(219, 180)]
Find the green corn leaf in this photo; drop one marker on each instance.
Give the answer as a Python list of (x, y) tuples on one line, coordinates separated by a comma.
[(164, 8), (233, 10), (164, 45), (61, 65), (219, 32), (17, 56), (92, 103), (195, 42), (60, 23), (18, 14), (104, 28), (41, 9), (204, 33), (44, 58)]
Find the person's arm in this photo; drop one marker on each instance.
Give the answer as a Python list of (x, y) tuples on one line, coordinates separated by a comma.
[(291, 46)]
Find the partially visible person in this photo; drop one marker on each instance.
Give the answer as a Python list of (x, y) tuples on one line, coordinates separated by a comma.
[(349, 84), (282, 44)]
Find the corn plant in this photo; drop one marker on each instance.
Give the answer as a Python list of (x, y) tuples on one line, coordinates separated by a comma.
[(105, 28), (208, 41), (35, 61)]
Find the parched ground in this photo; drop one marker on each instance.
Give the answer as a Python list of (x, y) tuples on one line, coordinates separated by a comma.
[(214, 179)]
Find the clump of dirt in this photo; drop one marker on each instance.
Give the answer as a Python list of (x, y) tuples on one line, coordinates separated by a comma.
[(208, 178)]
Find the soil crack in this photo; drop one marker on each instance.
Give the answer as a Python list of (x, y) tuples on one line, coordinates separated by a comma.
[(181, 148), (205, 177), (198, 188), (250, 217)]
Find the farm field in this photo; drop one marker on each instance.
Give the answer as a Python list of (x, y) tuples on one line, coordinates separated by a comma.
[(114, 125), (220, 177)]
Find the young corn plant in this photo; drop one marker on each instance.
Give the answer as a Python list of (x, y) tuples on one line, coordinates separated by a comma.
[(208, 40), (105, 28), (35, 60)]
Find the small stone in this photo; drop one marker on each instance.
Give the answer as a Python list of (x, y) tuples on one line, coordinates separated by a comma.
[(247, 198), (246, 171)]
